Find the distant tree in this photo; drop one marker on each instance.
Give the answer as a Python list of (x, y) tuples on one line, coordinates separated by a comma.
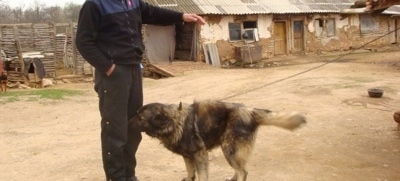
[(18, 15), (30, 16), (71, 12), (5, 13), (38, 13), (52, 14)]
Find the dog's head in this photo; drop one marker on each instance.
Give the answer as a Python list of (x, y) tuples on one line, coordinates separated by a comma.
[(155, 119)]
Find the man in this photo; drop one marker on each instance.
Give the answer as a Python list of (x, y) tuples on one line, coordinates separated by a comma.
[(109, 37)]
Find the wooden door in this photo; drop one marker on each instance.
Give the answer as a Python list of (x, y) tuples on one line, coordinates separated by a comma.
[(398, 30), (392, 28), (298, 36), (395, 36), (280, 37)]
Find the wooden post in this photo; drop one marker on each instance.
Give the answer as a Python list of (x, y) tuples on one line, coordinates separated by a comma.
[(54, 49), (65, 51), (19, 52), (74, 56)]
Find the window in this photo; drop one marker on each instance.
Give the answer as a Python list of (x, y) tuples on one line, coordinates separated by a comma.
[(325, 27), (298, 26), (249, 32), (249, 24), (234, 32), (368, 24), (330, 27), (320, 22)]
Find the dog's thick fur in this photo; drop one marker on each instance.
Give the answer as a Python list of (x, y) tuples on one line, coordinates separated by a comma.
[(193, 130)]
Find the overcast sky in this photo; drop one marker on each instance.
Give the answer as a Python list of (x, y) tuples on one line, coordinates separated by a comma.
[(27, 3)]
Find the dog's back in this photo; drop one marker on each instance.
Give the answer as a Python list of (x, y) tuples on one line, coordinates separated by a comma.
[(214, 115)]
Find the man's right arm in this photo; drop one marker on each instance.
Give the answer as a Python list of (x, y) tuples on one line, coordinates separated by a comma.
[(86, 37)]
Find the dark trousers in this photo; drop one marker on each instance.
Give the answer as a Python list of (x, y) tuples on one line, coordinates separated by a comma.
[(120, 96)]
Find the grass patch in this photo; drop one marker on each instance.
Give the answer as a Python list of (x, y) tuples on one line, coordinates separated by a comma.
[(35, 95)]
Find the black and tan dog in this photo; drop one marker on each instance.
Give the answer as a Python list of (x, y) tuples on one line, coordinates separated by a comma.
[(3, 81), (193, 130)]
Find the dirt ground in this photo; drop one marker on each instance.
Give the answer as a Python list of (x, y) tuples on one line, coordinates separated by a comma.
[(349, 136)]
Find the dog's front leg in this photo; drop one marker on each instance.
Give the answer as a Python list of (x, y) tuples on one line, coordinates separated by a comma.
[(201, 161), (190, 169)]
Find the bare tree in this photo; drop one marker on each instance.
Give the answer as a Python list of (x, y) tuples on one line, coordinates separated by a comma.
[(71, 11), (18, 15), (37, 9), (38, 13), (52, 14), (5, 13)]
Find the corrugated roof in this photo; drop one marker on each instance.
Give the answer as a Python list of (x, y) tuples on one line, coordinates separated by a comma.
[(395, 10), (187, 6), (230, 7), (281, 6), (255, 6), (322, 6)]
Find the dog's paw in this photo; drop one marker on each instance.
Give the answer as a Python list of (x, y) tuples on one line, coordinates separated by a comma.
[(187, 179), (230, 179)]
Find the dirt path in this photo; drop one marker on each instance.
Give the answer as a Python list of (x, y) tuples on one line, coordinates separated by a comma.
[(349, 136)]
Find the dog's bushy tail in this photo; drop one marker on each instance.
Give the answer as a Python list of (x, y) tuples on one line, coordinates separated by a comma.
[(288, 121)]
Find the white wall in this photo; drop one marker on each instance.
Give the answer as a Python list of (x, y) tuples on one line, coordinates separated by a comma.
[(210, 33), (265, 22)]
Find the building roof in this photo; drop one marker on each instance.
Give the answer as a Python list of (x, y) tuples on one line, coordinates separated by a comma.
[(254, 6), (187, 6), (395, 10)]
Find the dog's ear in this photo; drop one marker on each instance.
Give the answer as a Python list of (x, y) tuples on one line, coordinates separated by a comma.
[(160, 117), (160, 121), (180, 106)]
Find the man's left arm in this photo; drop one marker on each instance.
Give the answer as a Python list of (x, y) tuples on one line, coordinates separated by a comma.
[(161, 16)]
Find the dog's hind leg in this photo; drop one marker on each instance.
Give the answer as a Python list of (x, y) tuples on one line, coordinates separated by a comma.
[(201, 162), (190, 169), (237, 154)]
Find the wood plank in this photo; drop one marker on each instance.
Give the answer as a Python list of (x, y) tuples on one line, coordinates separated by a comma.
[(155, 69)]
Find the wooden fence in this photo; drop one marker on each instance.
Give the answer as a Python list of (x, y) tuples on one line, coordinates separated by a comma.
[(54, 42)]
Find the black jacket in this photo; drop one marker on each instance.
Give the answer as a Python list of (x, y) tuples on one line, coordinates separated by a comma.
[(109, 31)]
